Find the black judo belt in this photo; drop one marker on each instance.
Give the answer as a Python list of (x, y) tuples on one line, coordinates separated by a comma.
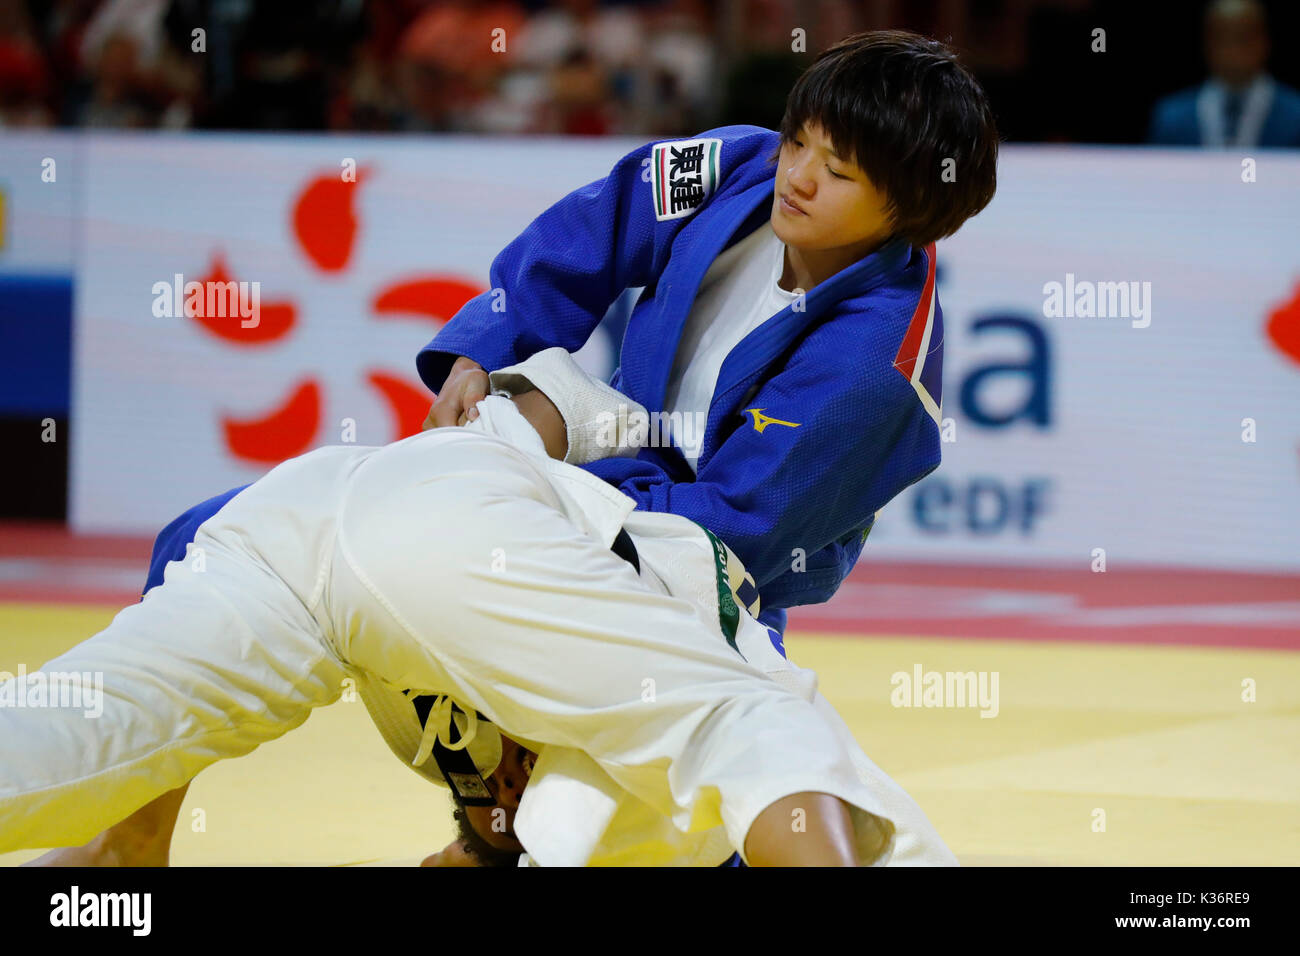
[(457, 767)]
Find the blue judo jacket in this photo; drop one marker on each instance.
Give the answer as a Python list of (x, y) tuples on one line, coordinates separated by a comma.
[(821, 415)]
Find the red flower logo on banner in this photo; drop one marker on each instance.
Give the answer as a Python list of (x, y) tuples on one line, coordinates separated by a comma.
[(1284, 326), (325, 226)]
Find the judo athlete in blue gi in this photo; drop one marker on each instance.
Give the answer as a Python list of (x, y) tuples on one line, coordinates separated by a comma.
[(788, 308)]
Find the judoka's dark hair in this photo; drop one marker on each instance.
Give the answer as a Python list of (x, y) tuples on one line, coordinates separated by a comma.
[(898, 104), (485, 853)]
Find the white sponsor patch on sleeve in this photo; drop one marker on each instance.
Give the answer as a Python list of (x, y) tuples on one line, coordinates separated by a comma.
[(683, 175)]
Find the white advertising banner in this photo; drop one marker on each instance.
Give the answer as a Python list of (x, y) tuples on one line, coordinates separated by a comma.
[(1121, 366), (1122, 333), (38, 201), (354, 252)]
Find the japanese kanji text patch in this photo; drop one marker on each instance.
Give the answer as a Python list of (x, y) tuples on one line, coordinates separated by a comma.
[(684, 174)]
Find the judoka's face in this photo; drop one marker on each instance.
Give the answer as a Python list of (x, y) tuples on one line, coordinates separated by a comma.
[(496, 825), (824, 202)]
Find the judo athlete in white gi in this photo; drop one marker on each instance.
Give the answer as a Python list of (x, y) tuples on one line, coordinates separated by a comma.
[(469, 569)]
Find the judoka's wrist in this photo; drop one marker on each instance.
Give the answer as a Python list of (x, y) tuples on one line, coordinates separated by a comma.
[(595, 414)]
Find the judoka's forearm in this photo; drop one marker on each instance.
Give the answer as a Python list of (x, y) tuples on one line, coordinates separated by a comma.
[(467, 384), (542, 414)]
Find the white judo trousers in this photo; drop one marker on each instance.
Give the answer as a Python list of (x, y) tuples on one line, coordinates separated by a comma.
[(456, 562)]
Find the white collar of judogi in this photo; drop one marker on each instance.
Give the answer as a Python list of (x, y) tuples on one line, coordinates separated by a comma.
[(1257, 102)]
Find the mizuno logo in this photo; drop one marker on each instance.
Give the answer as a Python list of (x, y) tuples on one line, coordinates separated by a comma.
[(761, 421)]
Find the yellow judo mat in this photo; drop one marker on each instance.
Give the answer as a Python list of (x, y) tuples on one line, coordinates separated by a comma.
[(1098, 755)]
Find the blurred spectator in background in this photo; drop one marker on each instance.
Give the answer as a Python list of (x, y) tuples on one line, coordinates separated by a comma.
[(762, 64), (1240, 104), (576, 101), (682, 68), (269, 64), (24, 78), (368, 96), (575, 69), (119, 86), (130, 76), (581, 68), (451, 59), (648, 68)]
